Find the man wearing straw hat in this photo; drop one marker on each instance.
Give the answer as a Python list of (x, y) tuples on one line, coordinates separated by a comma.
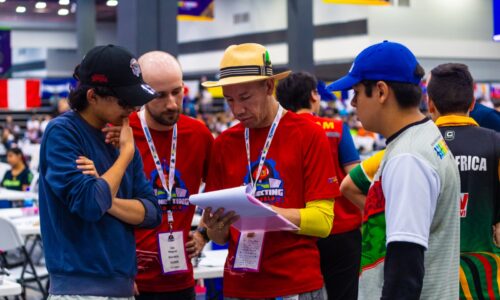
[(286, 159)]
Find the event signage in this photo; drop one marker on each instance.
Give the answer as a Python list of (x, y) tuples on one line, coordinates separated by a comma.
[(5, 52), (195, 10)]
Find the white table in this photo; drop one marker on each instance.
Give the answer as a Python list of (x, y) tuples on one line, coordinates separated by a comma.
[(11, 195), (28, 225), (9, 288), (25, 223), (11, 213), (211, 265)]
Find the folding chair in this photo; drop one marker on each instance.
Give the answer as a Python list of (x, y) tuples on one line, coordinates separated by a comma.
[(27, 273)]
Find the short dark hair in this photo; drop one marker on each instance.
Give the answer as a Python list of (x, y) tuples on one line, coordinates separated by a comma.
[(407, 94), (78, 97), (294, 92), (451, 88)]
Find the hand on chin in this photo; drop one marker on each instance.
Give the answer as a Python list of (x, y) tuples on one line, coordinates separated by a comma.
[(118, 121)]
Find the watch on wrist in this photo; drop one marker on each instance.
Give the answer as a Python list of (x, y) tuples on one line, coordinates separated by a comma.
[(203, 232)]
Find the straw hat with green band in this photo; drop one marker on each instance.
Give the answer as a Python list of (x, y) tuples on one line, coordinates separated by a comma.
[(245, 63)]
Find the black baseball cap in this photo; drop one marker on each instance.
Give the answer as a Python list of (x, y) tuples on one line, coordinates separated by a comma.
[(116, 68)]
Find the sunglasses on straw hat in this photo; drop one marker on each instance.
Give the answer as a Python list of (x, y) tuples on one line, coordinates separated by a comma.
[(245, 63)]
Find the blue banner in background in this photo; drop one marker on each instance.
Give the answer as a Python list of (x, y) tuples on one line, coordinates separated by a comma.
[(195, 10), (5, 52)]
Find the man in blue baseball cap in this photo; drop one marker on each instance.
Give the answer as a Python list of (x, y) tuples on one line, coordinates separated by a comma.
[(411, 233)]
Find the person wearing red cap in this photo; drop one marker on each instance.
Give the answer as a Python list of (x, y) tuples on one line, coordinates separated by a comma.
[(286, 161), (411, 226), (87, 220)]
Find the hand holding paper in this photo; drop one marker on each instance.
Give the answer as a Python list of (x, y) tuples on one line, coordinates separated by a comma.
[(219, 220), (254, 215)]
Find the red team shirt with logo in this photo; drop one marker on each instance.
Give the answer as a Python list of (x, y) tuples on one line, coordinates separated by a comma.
[(347, 215), (193, 151), (298, 169)]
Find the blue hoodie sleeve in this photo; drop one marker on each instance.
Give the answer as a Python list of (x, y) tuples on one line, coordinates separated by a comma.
[(144, 193), (84, 195)]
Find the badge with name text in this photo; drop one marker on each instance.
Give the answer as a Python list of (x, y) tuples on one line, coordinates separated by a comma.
[(249, 251), (172, 253)]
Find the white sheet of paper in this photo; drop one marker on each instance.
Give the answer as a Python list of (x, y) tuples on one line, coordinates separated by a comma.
[(172, 254), (233, 199), (249, 251)]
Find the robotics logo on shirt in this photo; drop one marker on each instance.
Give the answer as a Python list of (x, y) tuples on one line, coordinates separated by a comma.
[(269, 184), (180, 193)]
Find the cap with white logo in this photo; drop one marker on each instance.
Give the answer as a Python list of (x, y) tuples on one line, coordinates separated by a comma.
[(117, 69)]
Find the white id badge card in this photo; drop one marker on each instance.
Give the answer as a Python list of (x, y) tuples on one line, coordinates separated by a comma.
[(249, 251), (291, 297), (172, 254)]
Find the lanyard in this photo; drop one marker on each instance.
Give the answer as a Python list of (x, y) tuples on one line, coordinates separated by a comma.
[(171, 172), (267, 145)]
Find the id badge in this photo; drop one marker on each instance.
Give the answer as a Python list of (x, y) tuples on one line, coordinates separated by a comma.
[(249, 251), (172, 254)]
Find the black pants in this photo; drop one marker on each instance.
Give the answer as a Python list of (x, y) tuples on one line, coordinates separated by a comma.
[(187, 294), (340, 256)]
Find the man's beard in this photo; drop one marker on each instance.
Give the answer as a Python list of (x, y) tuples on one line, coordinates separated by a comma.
[(167, 118)]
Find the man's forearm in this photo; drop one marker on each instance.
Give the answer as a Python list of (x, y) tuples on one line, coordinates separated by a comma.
[(114, 175), (349, 189), (291, 214), (314, 220), (130, 211)]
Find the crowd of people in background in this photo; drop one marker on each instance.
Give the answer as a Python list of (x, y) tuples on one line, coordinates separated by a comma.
[(216, 115), (16, 134)]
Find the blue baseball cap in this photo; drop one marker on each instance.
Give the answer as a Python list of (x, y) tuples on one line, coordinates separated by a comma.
[(387, 61)]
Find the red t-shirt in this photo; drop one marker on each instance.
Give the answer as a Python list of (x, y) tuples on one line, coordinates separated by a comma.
[(298, 169), (194, 142), (347, 215)]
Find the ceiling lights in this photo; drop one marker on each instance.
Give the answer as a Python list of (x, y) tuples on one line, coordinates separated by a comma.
[(64, 2), (40, 5), (112, 2), (21, 9), (63, 12)]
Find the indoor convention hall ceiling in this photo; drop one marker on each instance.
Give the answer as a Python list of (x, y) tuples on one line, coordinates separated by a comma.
[(16, 12)]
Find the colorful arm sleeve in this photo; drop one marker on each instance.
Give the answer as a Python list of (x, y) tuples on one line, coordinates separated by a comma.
[(362, 175), (360, 179)]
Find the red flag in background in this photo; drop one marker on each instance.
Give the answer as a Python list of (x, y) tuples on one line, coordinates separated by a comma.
[(19, 94)]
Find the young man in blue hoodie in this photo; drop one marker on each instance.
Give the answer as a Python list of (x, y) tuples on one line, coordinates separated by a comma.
[(88, 221)]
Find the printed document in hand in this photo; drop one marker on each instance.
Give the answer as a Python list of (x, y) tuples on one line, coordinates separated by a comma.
[(254, 215)]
